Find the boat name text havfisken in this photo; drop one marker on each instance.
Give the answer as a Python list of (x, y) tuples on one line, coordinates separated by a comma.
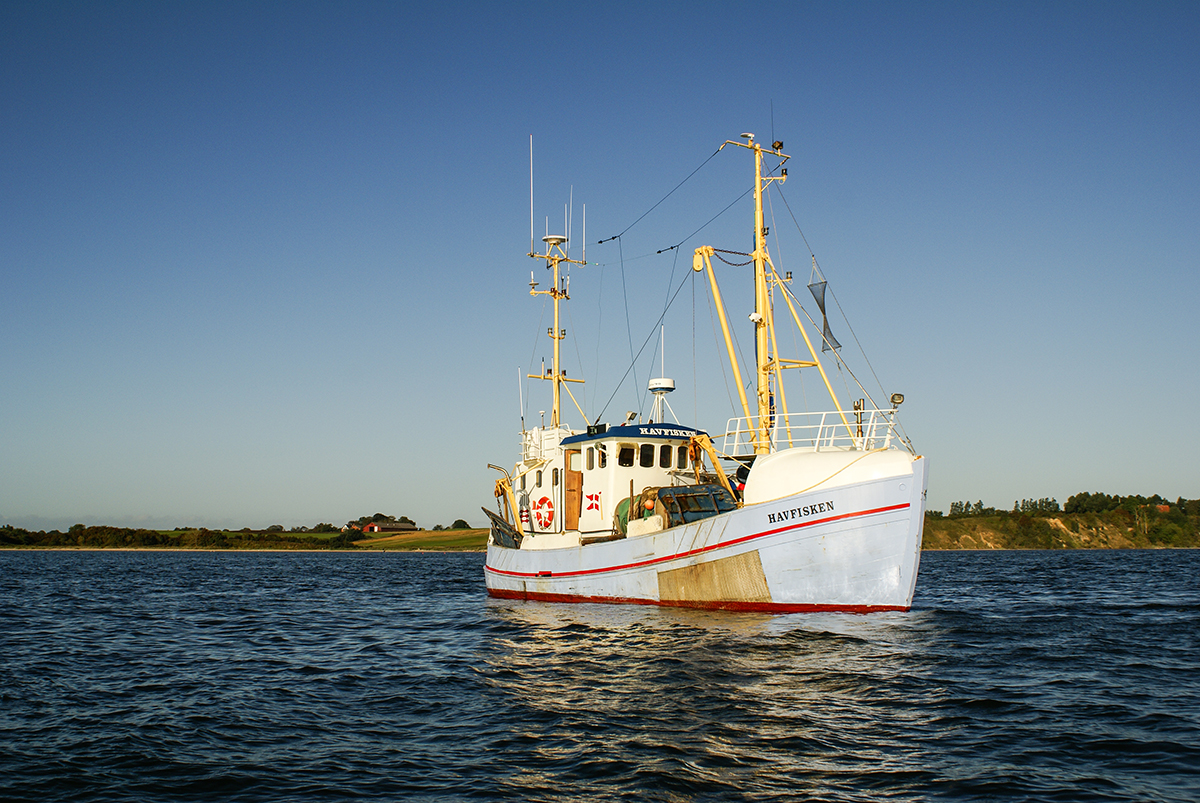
[(799, 512), (665, 432)]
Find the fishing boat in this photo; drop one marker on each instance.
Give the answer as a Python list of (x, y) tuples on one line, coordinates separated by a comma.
[(791, 512)]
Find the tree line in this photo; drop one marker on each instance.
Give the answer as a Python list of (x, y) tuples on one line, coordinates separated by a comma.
[(1043, 505), (273, 537), (1077, 503), (202, 538)]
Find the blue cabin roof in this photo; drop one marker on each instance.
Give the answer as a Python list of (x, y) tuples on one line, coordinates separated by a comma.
[(675, 432)]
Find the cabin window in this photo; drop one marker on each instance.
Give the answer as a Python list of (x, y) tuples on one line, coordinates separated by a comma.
[(602, 456), (646, 458), (664, 456), (681, 463), (554, 477), (591, 458), (625, 455), (522, 482), (537, 481), (574, 459)]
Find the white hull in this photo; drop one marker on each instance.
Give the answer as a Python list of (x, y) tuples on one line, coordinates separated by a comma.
[(854, 547)]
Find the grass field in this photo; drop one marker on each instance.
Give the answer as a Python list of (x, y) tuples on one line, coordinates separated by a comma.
[(430, 540)]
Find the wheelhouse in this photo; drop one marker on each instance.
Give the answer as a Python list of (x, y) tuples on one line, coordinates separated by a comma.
[(579, 488)]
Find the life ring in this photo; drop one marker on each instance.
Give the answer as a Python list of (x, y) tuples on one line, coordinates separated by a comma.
[(543, 512)]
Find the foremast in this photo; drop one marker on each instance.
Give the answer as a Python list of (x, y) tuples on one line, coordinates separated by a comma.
[(559, 291)]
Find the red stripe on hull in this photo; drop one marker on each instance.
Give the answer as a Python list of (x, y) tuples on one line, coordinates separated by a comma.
[(703, 549), (709, 605)]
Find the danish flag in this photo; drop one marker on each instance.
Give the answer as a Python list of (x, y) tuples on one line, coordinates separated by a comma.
[(593, 501)]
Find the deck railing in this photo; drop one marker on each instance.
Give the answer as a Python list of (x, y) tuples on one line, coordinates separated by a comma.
[(867, 430)]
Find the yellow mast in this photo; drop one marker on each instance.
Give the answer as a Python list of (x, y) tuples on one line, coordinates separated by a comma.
[(762, 301), (554, 256), (768, 362), (762, 308)]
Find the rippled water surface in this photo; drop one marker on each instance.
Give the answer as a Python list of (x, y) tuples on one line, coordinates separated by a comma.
[(310, 677)]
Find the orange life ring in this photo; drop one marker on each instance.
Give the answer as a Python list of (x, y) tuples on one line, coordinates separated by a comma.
[(543, 512)]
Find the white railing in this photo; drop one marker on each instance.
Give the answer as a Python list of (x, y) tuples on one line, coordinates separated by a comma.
[(541, 443), (866, 430)]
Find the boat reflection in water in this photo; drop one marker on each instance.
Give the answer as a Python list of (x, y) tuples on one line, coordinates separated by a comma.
[(713, 702)]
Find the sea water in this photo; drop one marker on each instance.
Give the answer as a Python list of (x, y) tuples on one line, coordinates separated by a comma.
[(163, 676)]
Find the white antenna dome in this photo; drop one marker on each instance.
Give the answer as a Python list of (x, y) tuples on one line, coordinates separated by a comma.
[(660, 388)]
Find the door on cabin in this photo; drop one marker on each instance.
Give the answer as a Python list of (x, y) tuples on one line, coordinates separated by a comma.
[(573, 490)]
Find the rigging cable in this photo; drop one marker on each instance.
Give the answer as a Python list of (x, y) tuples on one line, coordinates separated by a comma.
[(684, 240), (645, 343), (835, 300), (717, 343), (666, 303), (710, 220), (841, 363), (665, 197), (599, 321), (628, 325), (533, 356), (695, 371), (578, 356)]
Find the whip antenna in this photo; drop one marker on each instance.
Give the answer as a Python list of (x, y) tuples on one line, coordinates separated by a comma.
[(531, 193)]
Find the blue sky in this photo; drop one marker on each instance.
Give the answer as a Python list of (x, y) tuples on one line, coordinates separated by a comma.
[(265, 263)]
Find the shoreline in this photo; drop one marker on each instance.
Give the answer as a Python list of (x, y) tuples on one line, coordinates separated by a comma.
[(13, 548), (366, 550)]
